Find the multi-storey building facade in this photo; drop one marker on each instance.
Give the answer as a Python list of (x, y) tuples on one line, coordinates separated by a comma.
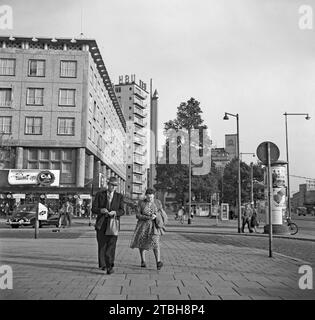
[(134, 100), (59, 111)]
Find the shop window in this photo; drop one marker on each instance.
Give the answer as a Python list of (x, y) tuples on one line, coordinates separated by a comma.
[(43, 165), (32, 154), (55, 155), (67, 155), (55, 166), (32, 165), (44, 154), (66, 167)]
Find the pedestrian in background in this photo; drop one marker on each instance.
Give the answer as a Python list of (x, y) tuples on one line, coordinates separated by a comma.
[(150, 226), (254, 220), (68, 212), (107, 205), (246, 217), (6, 211)]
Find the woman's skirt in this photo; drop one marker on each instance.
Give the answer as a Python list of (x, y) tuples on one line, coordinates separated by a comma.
[(144, 237)]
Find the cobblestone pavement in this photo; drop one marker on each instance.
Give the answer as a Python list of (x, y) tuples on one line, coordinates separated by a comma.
[(303, 250), (210, 267)]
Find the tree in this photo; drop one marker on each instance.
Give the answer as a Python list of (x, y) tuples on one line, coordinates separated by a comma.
[(230, 185), (173, 176), (7, 152)]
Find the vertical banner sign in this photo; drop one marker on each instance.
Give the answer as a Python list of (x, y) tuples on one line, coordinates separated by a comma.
[(42, 212)]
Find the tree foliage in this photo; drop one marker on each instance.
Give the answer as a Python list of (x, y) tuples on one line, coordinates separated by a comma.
[(230, 182), (173, 176)]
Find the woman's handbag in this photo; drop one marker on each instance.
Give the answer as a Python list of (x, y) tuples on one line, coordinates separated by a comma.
[(161, 220), (112, 227)]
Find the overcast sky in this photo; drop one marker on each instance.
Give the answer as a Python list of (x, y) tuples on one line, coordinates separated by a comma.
[(241, 56)]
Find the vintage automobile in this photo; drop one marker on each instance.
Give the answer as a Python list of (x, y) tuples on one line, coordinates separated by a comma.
[(25, 215), (301, 211)]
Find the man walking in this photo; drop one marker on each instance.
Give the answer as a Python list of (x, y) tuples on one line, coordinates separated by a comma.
[(247, 214), (107, 205), (68, 212)]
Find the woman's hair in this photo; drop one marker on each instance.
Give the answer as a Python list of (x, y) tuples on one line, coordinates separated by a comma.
[(150, 191)]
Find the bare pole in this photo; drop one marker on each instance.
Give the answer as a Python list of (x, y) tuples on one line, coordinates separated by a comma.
[(251, 184), (239, 175), (269, 198), (288, 164), (307, 117)]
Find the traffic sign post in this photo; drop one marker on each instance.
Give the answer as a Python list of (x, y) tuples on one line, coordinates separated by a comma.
[(36, 223), (269, 198), (267, 153)]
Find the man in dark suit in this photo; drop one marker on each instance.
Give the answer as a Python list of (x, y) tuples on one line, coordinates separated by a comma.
[(107, 204)]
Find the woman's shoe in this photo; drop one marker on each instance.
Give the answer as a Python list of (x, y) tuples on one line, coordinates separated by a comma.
[(159, 265), (143, 265)]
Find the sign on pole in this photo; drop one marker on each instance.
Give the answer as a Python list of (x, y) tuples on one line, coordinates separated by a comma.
[(262, 152), (42, 212)]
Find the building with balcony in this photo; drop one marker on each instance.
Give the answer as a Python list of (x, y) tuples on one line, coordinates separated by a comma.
[(59, 111), (134, 99)]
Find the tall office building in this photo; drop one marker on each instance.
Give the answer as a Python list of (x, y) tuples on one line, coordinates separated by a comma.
[(134, 99), (59, 111)]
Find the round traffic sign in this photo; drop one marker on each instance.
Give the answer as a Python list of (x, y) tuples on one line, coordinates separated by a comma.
[(262, 151)]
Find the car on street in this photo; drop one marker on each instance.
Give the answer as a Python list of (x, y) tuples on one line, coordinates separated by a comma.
[(25, 215), (301, 211)]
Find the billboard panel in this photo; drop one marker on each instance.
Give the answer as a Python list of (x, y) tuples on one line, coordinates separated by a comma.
[(35, 177)]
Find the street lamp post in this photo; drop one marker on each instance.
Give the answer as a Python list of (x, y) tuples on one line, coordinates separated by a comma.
[(239, 203), (251, 185), (189, 191), (307, 117)]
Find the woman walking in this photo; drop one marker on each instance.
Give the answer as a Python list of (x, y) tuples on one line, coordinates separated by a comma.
[(150, 226), (254, 220)]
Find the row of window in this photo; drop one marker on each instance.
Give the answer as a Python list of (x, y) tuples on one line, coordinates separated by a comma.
[(34, 126), (35, 97), (37, 68), (55, 159)]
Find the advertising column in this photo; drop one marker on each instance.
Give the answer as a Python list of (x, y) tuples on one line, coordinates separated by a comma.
[(279, 193)]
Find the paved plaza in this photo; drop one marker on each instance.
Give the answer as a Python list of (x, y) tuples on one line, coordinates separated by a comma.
[(63, 265)]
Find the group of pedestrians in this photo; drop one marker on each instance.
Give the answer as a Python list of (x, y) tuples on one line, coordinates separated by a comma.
[(249, 218), (181, 214), (108, 206)]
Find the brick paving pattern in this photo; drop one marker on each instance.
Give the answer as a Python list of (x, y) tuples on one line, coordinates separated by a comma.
[(65, 267)]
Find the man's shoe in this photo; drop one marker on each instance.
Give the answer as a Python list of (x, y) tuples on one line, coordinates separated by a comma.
[(159, 265), (110, 270)]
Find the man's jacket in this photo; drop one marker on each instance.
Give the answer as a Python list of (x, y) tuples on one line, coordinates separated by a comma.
[(101, 202)]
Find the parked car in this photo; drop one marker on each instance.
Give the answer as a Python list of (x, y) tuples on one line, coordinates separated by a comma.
[(301, 211), (25, 215)]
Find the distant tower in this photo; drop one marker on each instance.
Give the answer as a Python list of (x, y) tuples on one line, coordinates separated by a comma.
[(153, 138)]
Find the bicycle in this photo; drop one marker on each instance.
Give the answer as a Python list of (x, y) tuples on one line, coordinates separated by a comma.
[(294, 229)]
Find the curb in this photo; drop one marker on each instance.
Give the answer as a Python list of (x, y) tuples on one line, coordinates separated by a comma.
[(244, 234)]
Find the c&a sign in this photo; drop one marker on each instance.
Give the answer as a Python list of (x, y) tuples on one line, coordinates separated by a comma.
[(29, 177)]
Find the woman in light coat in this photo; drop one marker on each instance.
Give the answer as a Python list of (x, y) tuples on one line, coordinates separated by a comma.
[(150, 226)]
